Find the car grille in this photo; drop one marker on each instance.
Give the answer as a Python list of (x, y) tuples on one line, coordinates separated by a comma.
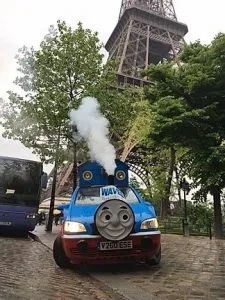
[(94, 252)]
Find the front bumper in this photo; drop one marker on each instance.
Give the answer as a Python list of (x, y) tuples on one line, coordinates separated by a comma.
[(145, 246)]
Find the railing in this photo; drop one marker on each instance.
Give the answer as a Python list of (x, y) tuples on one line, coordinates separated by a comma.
[(173, 226), (177, 226)]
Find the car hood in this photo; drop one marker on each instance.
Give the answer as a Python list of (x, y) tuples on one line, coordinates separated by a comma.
[(85, 214)]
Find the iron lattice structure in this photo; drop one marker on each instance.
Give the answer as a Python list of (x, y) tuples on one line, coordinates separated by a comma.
[(138, 162), (147, 32), (159, 7)]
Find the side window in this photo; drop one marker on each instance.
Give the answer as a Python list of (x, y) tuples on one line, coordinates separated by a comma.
[(130, 196)]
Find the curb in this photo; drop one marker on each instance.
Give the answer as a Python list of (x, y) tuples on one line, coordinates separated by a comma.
[(36, 238), (102, 285)]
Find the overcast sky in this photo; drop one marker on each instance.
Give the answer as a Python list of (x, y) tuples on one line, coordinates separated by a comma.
[(25, 22)]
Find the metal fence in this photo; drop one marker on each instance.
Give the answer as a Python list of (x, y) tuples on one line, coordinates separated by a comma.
[(177, 226)]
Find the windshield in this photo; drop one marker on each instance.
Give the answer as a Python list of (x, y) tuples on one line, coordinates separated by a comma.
[(19, 182), (91, 195)]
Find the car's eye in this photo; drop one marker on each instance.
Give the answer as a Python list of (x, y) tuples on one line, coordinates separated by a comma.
[(87, 175), (124, 216), (105, 216), (120, 175)]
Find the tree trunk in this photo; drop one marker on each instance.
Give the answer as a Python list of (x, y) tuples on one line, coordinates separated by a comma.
[(52, 201), (74, 166), (217, 213), (178, 186), (166, 201)]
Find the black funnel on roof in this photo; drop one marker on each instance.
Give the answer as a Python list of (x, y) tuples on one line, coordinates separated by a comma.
[(111, 180)]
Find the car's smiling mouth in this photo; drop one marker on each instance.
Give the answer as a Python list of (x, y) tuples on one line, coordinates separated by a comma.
[(114, 232)]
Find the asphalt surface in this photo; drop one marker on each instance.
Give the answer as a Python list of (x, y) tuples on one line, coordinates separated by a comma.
[(192, 268), (27, 271)]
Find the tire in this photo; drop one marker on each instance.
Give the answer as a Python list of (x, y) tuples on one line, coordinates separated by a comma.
[(59, 255), (25, 234), (155, 260), (22, 234)]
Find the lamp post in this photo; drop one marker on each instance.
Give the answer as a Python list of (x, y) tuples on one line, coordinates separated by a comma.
[(184, 185)]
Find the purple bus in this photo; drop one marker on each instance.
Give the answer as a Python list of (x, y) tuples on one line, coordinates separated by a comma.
[(20, 187)]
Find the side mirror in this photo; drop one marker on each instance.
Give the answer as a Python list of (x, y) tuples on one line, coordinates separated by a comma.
[(147, 202), (63, 206), (44, 180)]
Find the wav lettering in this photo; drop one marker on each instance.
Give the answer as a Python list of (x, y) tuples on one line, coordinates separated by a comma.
[(110, 191)]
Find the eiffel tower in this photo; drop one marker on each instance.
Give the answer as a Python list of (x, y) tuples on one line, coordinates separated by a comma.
[(147, 32)]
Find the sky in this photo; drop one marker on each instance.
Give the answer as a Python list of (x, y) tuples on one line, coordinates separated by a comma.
[(25, 22)]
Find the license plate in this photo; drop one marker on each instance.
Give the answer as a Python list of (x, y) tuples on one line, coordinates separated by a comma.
[(5, 223), (116, 245)]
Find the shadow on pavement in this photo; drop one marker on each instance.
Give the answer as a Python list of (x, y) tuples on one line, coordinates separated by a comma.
[(115, 268), (13, 234)]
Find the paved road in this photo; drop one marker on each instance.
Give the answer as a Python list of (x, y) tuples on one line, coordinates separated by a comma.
[(192, 269), (28, 272)]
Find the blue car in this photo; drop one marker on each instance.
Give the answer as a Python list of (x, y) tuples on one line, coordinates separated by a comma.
[(107, 221)]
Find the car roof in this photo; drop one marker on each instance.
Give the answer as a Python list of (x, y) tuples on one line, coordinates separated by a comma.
[(58, 200), (20, 159)]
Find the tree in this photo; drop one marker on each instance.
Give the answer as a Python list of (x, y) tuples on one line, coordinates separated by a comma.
[(126, 109), (165, 117), (54, 78), (160, 157), (139, 187), (194, 113), (200, 215)]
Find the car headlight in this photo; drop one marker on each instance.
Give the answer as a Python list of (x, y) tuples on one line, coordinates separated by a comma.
[(74, 227), (149, 224)]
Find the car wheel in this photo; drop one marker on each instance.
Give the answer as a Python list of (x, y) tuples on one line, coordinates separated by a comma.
[(59, 255), (155, 260), (25, 234), (22, 234)]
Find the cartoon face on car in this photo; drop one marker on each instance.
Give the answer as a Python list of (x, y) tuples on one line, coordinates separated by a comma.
[(114, 219)]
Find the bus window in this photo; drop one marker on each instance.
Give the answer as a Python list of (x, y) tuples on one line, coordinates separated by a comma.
[(19, 182)]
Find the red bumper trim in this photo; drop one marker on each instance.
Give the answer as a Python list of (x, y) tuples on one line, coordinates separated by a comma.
[(144, 248)]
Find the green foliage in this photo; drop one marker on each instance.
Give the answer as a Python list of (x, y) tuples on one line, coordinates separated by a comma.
[(135, 183), (126, 109), (200, 215), (200, 219), (55, 77), (189, 111), (141, 189), (188, 106), (159, 173)]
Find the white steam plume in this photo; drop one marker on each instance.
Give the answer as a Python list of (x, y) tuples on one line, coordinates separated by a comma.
[(93, 127)]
